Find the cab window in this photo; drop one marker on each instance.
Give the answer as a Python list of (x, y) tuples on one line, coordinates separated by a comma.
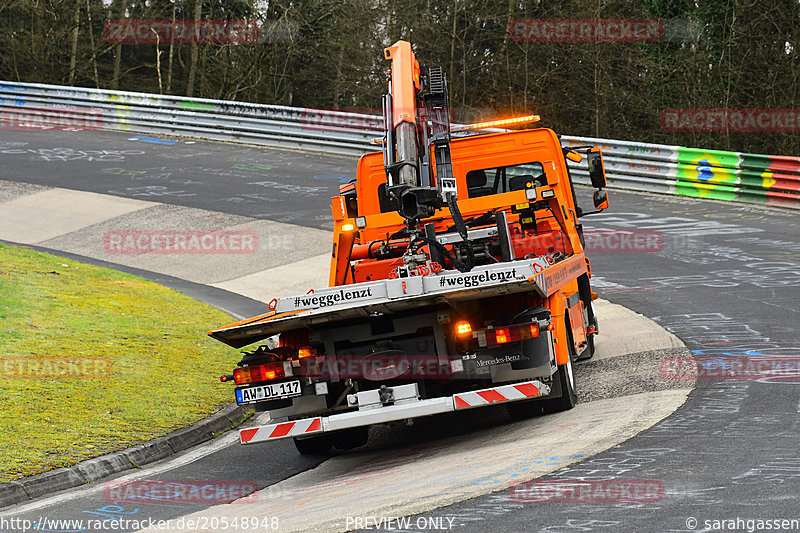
[(483, 182)]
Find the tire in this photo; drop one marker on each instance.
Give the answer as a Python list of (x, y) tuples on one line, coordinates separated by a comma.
[(351, 438), (566, 379), (319, 445)]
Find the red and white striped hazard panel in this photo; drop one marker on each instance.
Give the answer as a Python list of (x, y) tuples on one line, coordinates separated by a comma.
[(503, 393), (279, 431)]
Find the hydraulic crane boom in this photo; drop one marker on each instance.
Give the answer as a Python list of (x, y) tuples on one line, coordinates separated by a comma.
[(417, 136), (401, 102)]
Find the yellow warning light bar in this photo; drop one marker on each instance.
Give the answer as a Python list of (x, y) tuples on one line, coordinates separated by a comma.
[(493, 123)]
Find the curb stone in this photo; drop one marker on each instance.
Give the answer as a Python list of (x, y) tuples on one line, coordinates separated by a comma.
[(92, 470), (51, 481), (105, 465), (148, 452), (12, 492)]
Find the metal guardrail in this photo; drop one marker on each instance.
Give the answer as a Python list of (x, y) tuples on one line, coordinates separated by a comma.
[(718, 174), (754, 178), (279, 126)]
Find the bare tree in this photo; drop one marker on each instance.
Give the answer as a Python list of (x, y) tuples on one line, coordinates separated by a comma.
[(91, 41), (74, 54), (121, 8), (198, 7), (171, 50)]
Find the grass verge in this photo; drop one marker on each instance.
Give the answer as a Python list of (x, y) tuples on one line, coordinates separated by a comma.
[(94, 360)]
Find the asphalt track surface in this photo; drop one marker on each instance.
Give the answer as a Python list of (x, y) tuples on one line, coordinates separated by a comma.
[(278, 185), (725, 281)]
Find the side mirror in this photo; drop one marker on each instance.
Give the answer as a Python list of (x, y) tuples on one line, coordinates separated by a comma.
[(574, 156), (596, 171), (600, 199)]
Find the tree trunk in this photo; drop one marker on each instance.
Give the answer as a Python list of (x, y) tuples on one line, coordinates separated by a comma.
[(158, 62), (337, 87), (452, 77), (74, 54), (118, 48), (198, 6), (171, 48), (91, 41), (504, 52)]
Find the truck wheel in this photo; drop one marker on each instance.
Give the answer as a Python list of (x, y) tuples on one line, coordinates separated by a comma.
[(318, 445), (566, 378), (351, 438)]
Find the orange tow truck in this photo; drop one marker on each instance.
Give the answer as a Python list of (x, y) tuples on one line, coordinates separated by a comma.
[(458, 280)]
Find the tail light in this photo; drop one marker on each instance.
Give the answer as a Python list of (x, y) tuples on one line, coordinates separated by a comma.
[(306, 351), (502, 335), (463, 329), (259, 373), (506, 334)]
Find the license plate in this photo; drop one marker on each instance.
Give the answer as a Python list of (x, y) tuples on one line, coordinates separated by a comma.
[(262, 393)]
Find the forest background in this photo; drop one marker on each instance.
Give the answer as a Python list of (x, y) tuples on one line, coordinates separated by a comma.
[(712, 54)]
